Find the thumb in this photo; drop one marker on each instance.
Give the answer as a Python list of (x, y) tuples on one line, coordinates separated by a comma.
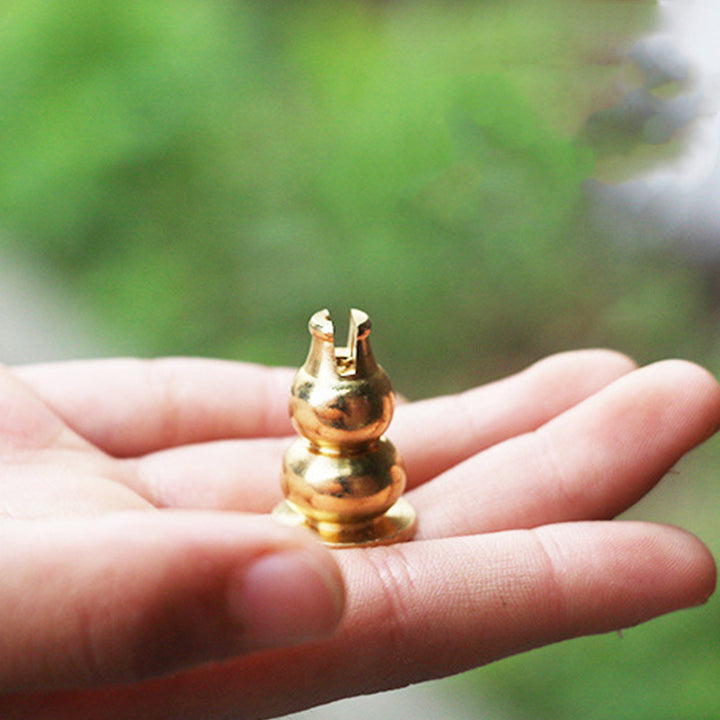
[(130, 596)]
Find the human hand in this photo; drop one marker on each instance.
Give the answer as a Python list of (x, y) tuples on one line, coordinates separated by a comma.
[(123, 583)]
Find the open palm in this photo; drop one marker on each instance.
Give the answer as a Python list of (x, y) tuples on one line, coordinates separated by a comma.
[(141, 577)]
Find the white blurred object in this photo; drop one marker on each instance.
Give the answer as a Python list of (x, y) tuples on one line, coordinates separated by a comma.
[(429, 701), (680, 197), (691, 29), (38, 322)]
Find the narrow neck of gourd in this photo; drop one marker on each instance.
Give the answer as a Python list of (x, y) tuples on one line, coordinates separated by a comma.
[(324, 359)]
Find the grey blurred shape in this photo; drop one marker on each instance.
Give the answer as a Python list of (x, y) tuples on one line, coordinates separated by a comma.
[(38, 321)]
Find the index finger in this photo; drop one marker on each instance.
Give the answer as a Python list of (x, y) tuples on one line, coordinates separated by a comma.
[(432, 608), (129, 406)]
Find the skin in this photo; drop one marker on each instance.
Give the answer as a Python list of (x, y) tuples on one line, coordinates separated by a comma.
[(134, 535)]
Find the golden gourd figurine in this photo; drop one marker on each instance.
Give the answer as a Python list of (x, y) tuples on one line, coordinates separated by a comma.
[(343, 478)]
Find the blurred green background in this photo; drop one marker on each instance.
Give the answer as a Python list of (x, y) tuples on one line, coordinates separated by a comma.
[(202, 176)]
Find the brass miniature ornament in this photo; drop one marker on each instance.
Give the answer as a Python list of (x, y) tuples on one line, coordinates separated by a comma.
[(343, 478)]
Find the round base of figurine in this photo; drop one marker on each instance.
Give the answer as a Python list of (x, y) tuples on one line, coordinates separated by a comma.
[(396, 525)]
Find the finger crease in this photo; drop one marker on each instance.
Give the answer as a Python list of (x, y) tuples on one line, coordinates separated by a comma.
[(397, 580), (558, 598), (563, 489), (161, 376), (477, 430)]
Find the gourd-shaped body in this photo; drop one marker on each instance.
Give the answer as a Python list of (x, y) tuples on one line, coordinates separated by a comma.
[(343, 478)]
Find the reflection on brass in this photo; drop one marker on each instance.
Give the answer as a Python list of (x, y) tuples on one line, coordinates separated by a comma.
[(343, 478)]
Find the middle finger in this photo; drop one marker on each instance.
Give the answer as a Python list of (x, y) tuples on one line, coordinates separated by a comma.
[(591, 462)]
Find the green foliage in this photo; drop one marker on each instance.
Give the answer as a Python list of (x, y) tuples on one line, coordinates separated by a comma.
[(208, 174)]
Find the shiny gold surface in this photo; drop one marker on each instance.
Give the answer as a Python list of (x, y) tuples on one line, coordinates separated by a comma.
[(342, 478)]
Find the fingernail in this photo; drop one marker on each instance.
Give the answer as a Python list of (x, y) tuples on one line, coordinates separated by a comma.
[(287, 598)]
